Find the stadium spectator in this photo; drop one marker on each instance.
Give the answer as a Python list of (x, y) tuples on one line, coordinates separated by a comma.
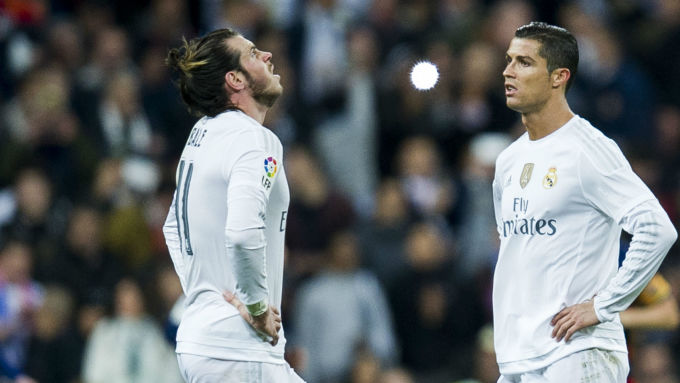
[(20, 298), (351, 301), (55, 349), (58, 59), (129, 346)]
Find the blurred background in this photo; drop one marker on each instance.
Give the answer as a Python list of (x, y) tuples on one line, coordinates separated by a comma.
[(391, 238)]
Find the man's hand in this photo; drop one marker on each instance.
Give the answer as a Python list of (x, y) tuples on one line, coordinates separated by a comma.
[(267, 325), (572, 319)]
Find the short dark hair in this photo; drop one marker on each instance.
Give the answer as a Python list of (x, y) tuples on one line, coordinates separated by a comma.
[(202, 64), (558, 47)]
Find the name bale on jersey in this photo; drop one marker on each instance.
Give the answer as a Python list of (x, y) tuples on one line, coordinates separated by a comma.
[(196, 137)]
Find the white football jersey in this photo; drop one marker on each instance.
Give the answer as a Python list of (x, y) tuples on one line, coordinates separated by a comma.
[(230, 178), (559, 201)]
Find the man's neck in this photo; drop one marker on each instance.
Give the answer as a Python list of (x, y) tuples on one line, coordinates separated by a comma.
[(547, 120), (252, 108)]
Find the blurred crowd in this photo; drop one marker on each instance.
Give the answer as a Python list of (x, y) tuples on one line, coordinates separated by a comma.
[(391, 240)]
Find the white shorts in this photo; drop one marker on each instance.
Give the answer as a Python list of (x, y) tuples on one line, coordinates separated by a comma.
[(201, 369), (592, 365)]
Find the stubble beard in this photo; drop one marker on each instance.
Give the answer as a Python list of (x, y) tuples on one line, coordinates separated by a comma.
[(266, 98), (260, 93)]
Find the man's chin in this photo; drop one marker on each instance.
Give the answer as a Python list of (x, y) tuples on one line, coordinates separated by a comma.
[(269, 98), (513, 104)]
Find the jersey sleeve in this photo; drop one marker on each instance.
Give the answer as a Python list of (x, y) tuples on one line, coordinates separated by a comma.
[(172, 240), (497, 197), (609, 183), (250, 179), (653, 235)]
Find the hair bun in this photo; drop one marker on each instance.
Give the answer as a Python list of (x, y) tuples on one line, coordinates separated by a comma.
[(184, 58), (175, 59)]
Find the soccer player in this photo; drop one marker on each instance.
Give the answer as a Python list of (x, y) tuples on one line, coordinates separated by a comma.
[(226, 225), (562, 193)]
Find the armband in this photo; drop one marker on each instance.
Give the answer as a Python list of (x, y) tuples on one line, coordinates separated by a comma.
[(257, 309)]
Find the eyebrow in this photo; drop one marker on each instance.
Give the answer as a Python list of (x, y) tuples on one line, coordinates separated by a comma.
[(520, 57)]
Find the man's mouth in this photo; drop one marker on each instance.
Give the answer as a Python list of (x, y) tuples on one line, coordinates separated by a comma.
[(271, 68), (510, 90)]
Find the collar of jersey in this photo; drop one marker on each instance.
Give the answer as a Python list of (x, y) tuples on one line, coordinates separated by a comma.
[(554, 135)]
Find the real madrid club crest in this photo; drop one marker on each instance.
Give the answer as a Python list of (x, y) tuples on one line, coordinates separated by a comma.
[(526, 174), (550, 179)]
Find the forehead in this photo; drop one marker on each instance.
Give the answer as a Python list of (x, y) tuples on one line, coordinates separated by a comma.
[(524, 47), (239, 43)]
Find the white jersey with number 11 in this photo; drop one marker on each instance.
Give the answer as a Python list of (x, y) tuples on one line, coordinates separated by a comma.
[(230, 184)]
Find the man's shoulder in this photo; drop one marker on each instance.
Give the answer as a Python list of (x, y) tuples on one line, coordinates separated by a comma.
[(505, 156), (595, 147), (231, 122), (243, 132), (584, 132)]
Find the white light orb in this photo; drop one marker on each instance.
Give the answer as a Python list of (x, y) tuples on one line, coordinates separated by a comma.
[(424, 75)]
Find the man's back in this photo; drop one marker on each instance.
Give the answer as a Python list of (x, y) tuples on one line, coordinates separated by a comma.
[(224, 158)]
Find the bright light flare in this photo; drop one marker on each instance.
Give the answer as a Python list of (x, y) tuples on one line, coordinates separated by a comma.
[(424, 75)]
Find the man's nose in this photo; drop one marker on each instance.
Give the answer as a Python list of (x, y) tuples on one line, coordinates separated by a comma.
[(508, 72)]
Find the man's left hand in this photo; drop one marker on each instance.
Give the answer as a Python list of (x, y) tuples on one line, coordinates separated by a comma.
[(572, 319), (267, 325)]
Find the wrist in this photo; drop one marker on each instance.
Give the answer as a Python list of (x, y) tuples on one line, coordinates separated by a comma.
[(602, 314), (258, 308)]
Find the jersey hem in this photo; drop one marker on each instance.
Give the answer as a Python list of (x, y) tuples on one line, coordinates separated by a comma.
[(249, 354), (576, 345)]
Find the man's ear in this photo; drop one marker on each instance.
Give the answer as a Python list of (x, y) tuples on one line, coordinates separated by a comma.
[(560, 77), (235, 80)]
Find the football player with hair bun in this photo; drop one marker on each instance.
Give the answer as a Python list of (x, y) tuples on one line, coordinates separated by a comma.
[(226, 226)]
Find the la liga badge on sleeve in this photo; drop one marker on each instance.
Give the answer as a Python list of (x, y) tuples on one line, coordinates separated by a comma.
[(270, 166)]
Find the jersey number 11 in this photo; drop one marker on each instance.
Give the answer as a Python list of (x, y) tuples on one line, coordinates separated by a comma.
[(182, 194)]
